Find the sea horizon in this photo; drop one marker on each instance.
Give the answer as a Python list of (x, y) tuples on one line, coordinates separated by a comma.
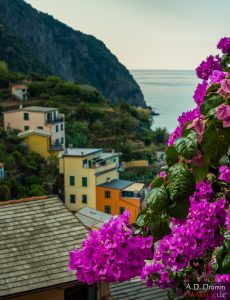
[(168, 92)]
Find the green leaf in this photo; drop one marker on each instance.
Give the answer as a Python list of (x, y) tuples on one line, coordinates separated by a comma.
[(200, 173), (185, 130), (171, 156), (187, 146), (157, 182), (182, 182), (213, 88), (157, 199), (141, 218), (215, 267), (159, 228), (227, 69), (211, 102), (215, 143), (178, 209), (226, 264)]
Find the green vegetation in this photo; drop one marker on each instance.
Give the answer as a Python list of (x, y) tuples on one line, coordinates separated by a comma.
[(27, 173), (91, 121)]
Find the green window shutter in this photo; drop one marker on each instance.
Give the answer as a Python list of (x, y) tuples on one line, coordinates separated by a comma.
[(26, 116), (26, 128), (72, 180), (84, 199), (107, 209), (84, 181), (73, 199), (107, 194), (122, 209), (56, 128)]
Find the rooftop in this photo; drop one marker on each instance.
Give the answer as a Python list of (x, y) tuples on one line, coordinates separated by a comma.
[(34, 131), (35, 237), (92, 218), (42, 109), (80, 151), (134, 187), (135, 290), (39, 108), (116, 184)]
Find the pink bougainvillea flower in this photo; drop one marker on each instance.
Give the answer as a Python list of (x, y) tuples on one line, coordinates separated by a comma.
[(226, 122), (217, 76), (224, 173), (199, 126), (198, 159), (163, 174), (223, 112), (225, 86)]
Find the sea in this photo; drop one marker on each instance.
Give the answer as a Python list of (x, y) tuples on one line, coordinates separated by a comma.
[(168, 92)]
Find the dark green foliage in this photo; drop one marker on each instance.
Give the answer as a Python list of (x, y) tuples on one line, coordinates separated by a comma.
[(27, 172), (182, 182), (157, 199), (186, 146)]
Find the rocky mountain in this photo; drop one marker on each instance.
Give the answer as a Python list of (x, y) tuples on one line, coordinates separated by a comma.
[(31, 41)]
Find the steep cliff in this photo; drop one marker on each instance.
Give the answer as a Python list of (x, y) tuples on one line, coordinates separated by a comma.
[(31, 41)]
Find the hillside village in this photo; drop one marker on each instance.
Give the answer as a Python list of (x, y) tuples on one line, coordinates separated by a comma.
[(44, 152)]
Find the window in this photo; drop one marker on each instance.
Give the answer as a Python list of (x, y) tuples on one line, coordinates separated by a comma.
[(107, 209), (107, 194), (122, 209), (57, 142), (84, 199), (40, 127), (56, 128), (62, 127), (26, 116), (26, 127), (72, 198), (62, 140), (84, 181), (72, 180)]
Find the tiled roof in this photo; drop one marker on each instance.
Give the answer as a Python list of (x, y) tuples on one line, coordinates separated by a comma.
[(136, 290), (36, 236), (116, 184)]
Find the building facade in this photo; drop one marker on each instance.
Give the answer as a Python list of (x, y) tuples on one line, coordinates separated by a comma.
[(20, 91), (39, 141), (83, 169), (115, 196), (38, 117)]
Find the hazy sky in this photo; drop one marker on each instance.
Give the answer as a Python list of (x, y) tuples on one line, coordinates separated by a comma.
[(148, 34)]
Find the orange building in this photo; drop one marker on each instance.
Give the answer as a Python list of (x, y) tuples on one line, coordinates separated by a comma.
[(114, 196)]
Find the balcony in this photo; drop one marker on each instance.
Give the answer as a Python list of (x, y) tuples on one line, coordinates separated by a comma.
[(56, 120)]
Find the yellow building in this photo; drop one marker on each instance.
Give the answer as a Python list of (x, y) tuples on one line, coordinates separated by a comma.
[(40, 141), (83, 169), (37, 117)]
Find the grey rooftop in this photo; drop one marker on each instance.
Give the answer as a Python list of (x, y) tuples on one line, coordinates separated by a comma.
[(39, 108), (136, 290), (35, 239), (81, 151), (117, 184), (92, 218)]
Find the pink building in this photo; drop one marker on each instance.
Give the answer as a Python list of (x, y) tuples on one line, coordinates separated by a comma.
[(38, 117)]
